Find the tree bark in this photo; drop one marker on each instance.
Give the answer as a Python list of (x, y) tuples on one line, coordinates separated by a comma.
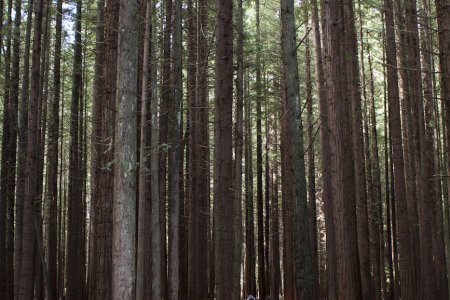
[(31, 199), (405, 261), (224, 203), (304, 277), (124, 208)]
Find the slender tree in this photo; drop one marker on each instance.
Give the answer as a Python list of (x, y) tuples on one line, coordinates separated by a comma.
[(143, 274), (52, 157)]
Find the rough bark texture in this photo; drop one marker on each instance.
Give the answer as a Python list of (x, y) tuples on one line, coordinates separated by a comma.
[(304, 280), (340, 80), (124, 208), (224, 204)]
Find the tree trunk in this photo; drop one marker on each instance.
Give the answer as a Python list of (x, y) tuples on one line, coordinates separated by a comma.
[(143, 274), (7, 174), (259, 160), (75, 238), (250, 257), (312, 207), (52, 158), (224, 203), (31, 199), (405, 261), (304, 277), (22, 152), (325, 157), (342, 83), (124, 212), (239, 142), (174, 163)]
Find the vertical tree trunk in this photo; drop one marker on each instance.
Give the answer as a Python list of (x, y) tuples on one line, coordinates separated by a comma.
[(304, 277), (275, 281), (325, 157), (342, 82), (143, 275), (124, 208), (7, 174), (202, 158), (75, 238), (103, 143), (239, 142), (224, 203), (166, 101), (52, 158), (192, 275), (174, 163), (22, 152), (259, 162), (154, 163), (312, 212), (250, 258), (364, 246), (27, 267), (406, 261)]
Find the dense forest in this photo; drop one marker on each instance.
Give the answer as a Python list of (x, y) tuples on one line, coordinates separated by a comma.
[(228, 149)]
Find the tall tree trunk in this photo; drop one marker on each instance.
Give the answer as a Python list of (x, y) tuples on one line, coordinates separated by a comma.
[(342, 83), (98, 94), (404, 239), (275, 281), (22, 152), (430, 155), (13, 110), (124, 212), (442, 10), (31, 199), (174, 163), (224, 203), (325, 157), (103, 180), (166, 101), (250, 257), (192, 273), (312, 207), (52, 158), (361, 176), (304, 277), (7, 174), (202, 158), (75, 238), (259, 160), (239, 142), (143, 274), (154, 163)]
